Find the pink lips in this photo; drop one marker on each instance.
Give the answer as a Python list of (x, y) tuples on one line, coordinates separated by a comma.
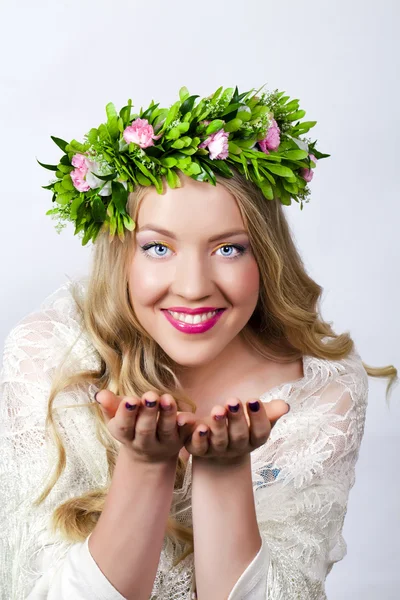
[(189, 328)]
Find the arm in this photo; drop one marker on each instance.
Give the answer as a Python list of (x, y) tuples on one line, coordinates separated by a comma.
[(301, 480), (127, 540), (34, 562), (225, 529)]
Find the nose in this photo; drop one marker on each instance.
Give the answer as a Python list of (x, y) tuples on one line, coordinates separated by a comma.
[(193, 278)]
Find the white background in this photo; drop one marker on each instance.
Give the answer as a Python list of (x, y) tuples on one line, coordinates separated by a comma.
[(62, 62)]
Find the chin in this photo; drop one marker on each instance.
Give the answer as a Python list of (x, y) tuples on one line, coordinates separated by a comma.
[(191, 357)]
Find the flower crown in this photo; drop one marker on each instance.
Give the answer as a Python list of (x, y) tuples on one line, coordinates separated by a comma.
[(252, 133)]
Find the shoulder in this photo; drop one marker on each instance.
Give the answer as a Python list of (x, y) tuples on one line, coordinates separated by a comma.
[(42, 337)]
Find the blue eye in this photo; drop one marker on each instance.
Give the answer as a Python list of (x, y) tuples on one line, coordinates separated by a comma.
[(157, 246)]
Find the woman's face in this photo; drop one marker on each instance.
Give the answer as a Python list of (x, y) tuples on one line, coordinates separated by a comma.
[(196, 265)]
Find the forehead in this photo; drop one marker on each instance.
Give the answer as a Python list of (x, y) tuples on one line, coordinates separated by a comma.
[(195, 207)]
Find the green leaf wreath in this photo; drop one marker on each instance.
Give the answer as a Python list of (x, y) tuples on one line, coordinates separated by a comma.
[(253, 133)]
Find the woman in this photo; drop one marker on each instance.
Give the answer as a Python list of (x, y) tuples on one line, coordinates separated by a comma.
[(140, 504)]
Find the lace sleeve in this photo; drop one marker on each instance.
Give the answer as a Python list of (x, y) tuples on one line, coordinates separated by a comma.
[(302, 480), (34, 563)]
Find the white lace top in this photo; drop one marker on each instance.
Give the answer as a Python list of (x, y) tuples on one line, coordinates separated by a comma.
[(301, 476)]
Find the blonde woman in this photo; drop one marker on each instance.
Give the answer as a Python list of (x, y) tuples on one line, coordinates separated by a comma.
[(118, 481)]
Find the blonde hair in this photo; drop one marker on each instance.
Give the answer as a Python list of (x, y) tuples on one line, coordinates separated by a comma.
[(284, 326)]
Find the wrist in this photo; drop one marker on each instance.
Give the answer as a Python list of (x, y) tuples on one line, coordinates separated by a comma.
[(128, 456)]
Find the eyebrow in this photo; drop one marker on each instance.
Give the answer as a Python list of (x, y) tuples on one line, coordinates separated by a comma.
[(170, 234)]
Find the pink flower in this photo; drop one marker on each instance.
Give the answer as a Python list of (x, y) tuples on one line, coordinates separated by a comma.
[(140, 133), (308, 174), (217, 144), (78, 179), (79, 161), (272, 139)]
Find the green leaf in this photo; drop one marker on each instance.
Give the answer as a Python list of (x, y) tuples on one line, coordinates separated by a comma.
[(295, 116), (188, 104), (247, 144), (290, 187), (111, 112), (244, 115), (189, 151), (233, 125), (75, 205), (98, 210), (65, 168), (112, 126), (49, 167), (148, 114), (66, 161), (193, 169), (295, 154), (172, 113), (59, 174), (220, 165), (108, 177), (303, 127), (173, 179), (142, 179), (183, 93), (168, 161), (279, 170), (48, 187), (67, 183), (60, 143), (293, 105), (267, 190), (215, 126), (216, 95), (119, 196), (183, 127), (65, 197), (129, 223), (125, 112), (173, 134), (233, 148), (178, 144)]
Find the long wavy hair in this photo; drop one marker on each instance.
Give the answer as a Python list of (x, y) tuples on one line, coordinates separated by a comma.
[(285, 325)]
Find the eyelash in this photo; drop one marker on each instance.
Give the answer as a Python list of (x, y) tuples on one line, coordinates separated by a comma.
[(238, 247)]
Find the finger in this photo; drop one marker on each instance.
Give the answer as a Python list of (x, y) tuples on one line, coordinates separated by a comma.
[(199, 442), (186, 423), (166, 425), (122, 425), (146, 425), (238, 427), (276, 409), (219, 439), (109, 403), (260, 426)]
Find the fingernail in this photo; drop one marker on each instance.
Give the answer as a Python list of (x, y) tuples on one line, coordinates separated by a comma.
[(150, 403), (166, 406), (235, 408), (219, 417), (95, 397), (180, 424), (130, 406), (203, 433), (288, 408), (254, 406)]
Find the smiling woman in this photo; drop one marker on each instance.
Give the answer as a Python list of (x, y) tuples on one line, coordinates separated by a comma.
[(204, 315)]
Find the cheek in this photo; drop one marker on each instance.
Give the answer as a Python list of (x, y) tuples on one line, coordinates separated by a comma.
[(243, 284), (144, 280)]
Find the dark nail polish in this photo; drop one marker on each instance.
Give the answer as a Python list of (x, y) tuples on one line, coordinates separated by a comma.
[(95, 397), (203, 433), (254, 406), (150, 403), (234, 409), (130, 406)]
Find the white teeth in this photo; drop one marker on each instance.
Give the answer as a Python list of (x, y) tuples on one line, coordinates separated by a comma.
[(192, 319)]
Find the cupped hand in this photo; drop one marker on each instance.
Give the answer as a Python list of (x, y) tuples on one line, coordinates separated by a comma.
[(147, 429), (234, 434)]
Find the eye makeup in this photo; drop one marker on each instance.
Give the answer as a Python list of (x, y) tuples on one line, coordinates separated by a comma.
[(239, 247)]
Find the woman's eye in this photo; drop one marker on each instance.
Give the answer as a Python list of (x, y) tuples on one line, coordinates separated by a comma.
[(160, 250)]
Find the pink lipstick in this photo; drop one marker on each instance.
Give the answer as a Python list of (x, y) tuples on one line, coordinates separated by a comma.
[(194, 328)]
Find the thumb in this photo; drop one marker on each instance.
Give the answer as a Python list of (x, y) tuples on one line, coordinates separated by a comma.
[(276, 409), (109, 403)]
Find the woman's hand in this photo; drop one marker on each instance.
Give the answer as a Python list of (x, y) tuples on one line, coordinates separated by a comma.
[(147, 429), (234, 434)]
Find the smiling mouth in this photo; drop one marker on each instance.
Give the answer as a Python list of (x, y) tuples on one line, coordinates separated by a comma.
[(194, 319)]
